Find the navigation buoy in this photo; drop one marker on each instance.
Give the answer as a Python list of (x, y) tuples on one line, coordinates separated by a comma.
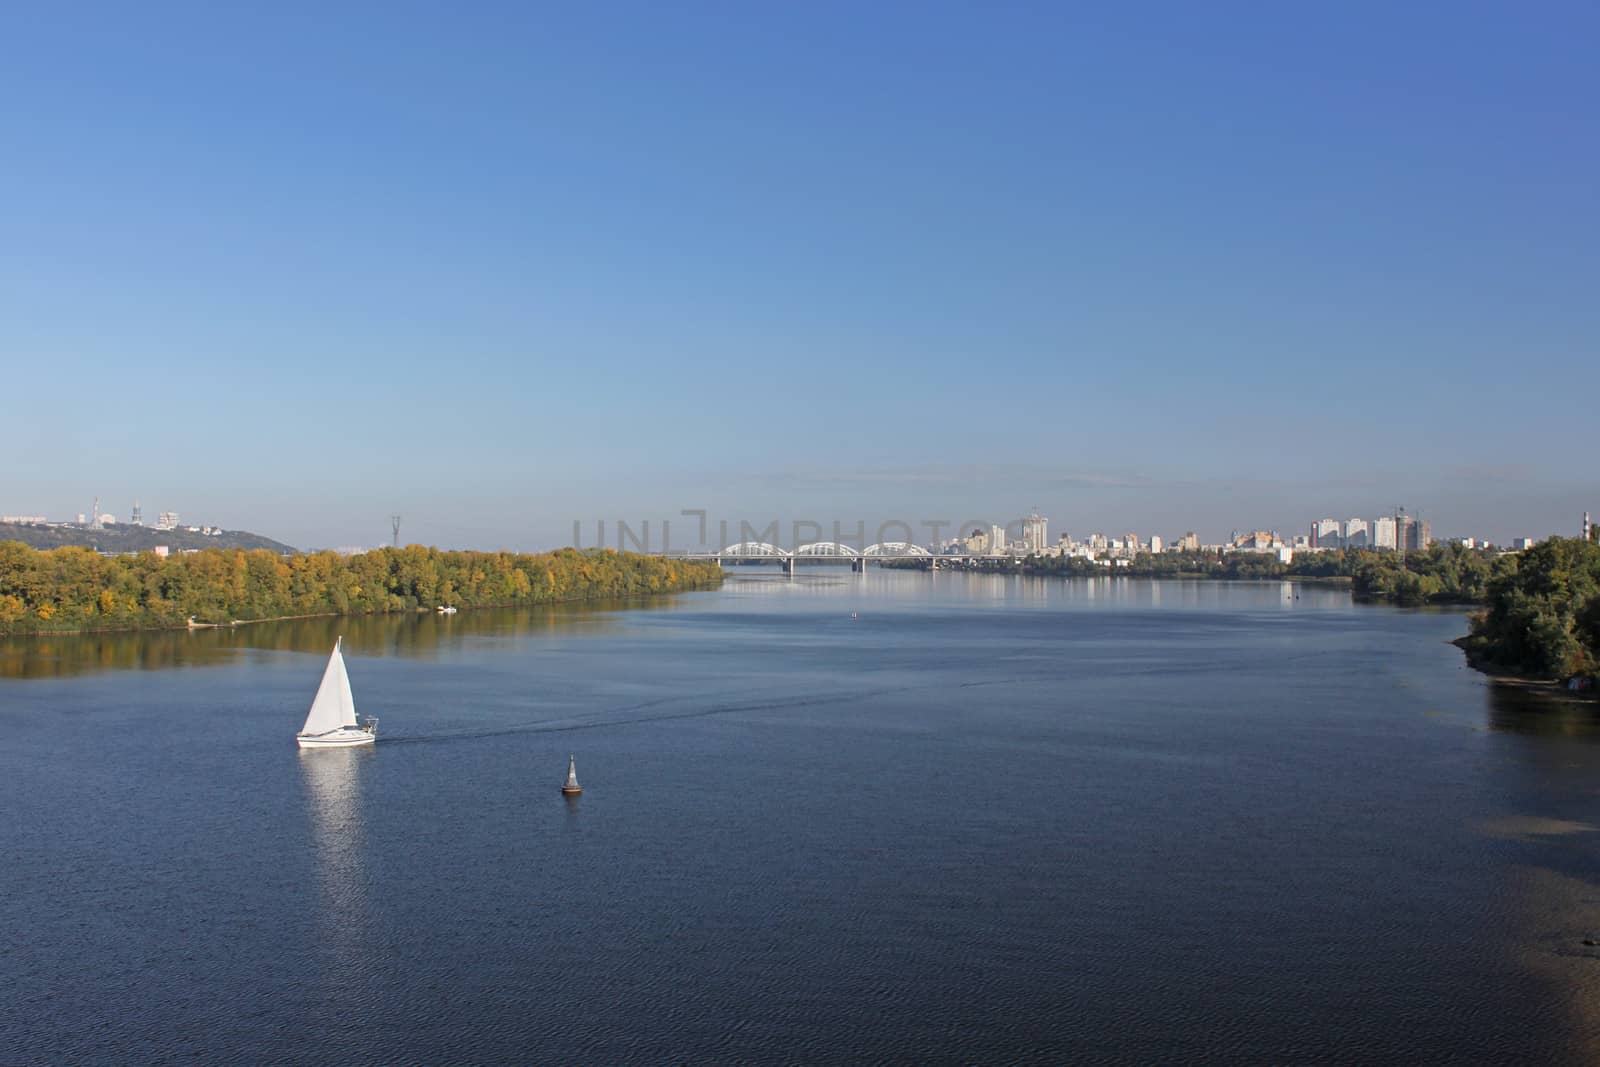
[(570, 787)]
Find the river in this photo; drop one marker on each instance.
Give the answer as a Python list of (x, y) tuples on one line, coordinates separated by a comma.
[(986, 819)]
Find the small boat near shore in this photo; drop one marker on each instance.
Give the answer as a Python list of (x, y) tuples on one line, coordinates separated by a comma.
[(447, 609), (331, 722)]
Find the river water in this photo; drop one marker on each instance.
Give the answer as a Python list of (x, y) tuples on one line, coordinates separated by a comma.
[(989, 819)]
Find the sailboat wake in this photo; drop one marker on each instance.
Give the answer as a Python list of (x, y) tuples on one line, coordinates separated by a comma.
[(568, 724)]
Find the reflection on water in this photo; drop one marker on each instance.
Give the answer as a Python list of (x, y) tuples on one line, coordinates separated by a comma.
[(332, 780), (412, 636), (1542, 711), (1550, 831), (831, 580)]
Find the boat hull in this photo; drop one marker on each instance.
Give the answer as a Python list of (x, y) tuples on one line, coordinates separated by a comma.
[(337, 739)]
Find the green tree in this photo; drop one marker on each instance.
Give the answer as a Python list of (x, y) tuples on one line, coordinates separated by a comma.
[(1543, 611)]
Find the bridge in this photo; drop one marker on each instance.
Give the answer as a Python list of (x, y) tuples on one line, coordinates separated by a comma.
[(761, 551)]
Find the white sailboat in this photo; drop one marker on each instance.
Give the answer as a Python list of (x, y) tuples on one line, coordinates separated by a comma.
[(571, 787), (331, 722)]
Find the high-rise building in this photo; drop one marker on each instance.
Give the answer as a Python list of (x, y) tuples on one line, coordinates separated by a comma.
[(1327, 533), (1383, 532), (1033, 532), (1190, 542), (1155, 544), (997, 539), (1418, 533), (167, 520), (1357, 534)]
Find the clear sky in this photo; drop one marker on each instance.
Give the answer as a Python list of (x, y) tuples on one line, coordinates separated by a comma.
[(292, 268)]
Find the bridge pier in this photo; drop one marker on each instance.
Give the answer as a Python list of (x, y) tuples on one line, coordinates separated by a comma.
[(788, 566), (858, 565), (933, 563)]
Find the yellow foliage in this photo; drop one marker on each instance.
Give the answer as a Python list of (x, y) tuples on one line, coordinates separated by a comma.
[(77, 584)]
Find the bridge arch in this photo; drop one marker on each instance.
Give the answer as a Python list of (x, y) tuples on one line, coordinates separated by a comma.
[(895, 548), (754, 549), (827, 548)]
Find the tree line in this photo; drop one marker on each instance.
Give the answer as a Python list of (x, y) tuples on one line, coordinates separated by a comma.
[(1444, 573), (1543, 612), (77, 588)]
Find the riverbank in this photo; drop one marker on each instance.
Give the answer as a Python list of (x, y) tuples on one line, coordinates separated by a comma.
[(167, 627), (233, 624), (1554, 688)]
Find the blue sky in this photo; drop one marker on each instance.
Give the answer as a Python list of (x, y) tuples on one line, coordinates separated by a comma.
[(295, 268)]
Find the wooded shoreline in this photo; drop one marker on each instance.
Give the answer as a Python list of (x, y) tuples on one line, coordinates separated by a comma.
[(75, 590)]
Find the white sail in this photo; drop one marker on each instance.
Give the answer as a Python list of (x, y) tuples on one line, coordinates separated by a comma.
[(334, 705)]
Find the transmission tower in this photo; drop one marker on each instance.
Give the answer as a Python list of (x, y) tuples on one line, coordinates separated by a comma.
[(394, 523)]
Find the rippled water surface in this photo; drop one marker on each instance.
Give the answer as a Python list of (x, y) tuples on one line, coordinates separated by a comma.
[(989, 820)]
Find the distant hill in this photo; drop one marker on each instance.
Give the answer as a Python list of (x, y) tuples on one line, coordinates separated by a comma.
[(126, 538)]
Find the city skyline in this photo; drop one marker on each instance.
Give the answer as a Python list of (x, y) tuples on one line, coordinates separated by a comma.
[(502, 270), (652, 533)]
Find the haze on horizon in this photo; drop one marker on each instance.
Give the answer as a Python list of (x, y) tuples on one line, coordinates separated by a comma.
[(295, 269)]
